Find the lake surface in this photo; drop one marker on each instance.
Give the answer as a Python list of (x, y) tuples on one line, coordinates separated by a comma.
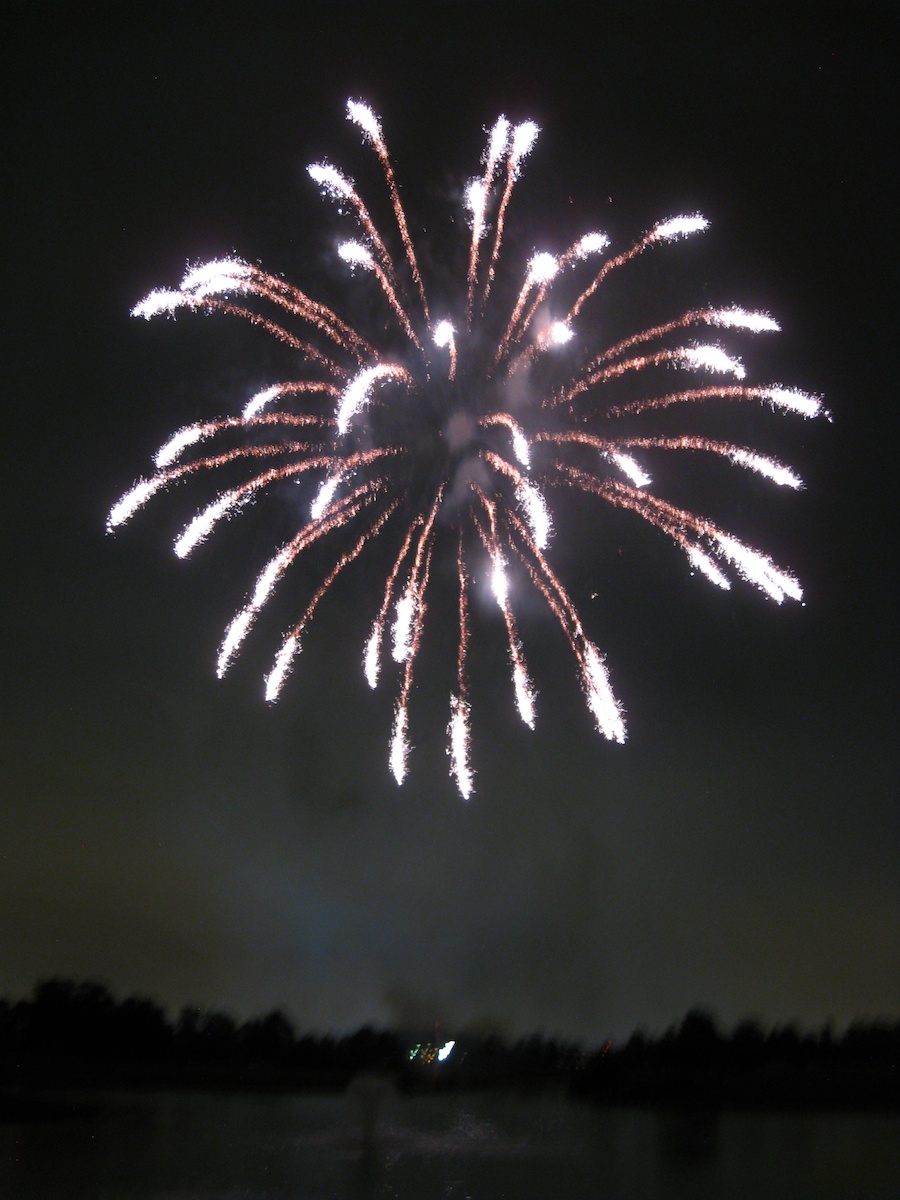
[(484, 1146)]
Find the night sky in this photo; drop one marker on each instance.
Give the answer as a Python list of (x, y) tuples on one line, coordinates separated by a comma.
[(171, 834)]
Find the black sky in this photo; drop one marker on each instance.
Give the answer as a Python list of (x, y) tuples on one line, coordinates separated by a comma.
[(173, 835)]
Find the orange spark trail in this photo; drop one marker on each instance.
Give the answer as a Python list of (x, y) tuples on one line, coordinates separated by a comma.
[(372, 128)]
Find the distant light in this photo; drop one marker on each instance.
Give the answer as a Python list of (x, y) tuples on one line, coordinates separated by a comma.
[(444, 1051)]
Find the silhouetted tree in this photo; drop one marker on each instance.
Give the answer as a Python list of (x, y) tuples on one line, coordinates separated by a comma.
[(747, 1043), (268, 1039)]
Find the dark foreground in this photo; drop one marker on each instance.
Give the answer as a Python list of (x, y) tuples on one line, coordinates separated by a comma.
[(373, 1142)]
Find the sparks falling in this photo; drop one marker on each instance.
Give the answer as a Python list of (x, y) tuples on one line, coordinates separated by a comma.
[(451, 432)]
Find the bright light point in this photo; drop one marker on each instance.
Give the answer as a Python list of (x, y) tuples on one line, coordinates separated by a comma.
[(523, 139), (677, 227), (133, 500), (739, 318), (330, 180), (560, 333), (258, 402), (773, 470), (601, 700), (200, 528), (524, 695), (707, 567), (630, 467), (219, 275), (712, 358), (404, 624), (591, 243), (542, 268), (794, 401), (363, 116), (177, 442), (158, 301), (370, 658), (356, 254), (399, 746), (536, 513), (445, 1050), (280, 671), (443, 333), (458, 731)]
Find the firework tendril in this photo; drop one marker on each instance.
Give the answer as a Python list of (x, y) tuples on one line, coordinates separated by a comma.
[(453, 428)]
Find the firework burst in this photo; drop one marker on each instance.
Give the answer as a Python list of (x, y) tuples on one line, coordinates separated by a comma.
[(454, 429)]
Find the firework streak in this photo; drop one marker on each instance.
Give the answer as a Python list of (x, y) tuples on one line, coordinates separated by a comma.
[(449, 435)]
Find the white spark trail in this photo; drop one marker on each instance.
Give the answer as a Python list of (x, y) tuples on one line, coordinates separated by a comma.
[(133, 499), (707, 567), (759, 569), (794, 401), (363, 116), (399, 752), (536, 512), (257, 403), (370, 657), (158, 301), (404, 624), (202, 525), (458, 732), (711, 358), (590, 243), (678, 227), (331, 181), (768, 467), (601, 701), (217, 276), (276, 678), (240, 626), (740, 318), (520, 447), (324, 496), (630, 467), (521, 683), (358, 392), (172, 449)]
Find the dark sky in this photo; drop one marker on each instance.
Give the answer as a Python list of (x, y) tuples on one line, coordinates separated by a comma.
[(171, 834)]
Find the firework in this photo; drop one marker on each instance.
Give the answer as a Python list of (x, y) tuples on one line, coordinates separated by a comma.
[(452, 430)]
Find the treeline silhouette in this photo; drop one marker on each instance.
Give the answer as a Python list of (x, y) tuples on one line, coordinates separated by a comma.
[(77, 1033)]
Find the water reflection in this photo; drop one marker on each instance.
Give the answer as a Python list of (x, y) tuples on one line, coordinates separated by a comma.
[(377, 1144), (687, 1134)]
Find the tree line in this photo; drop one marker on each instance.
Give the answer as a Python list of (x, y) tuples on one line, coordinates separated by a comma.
[(77, 1031)]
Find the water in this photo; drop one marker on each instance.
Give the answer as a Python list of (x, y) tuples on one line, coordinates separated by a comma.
[(374, 1144)]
